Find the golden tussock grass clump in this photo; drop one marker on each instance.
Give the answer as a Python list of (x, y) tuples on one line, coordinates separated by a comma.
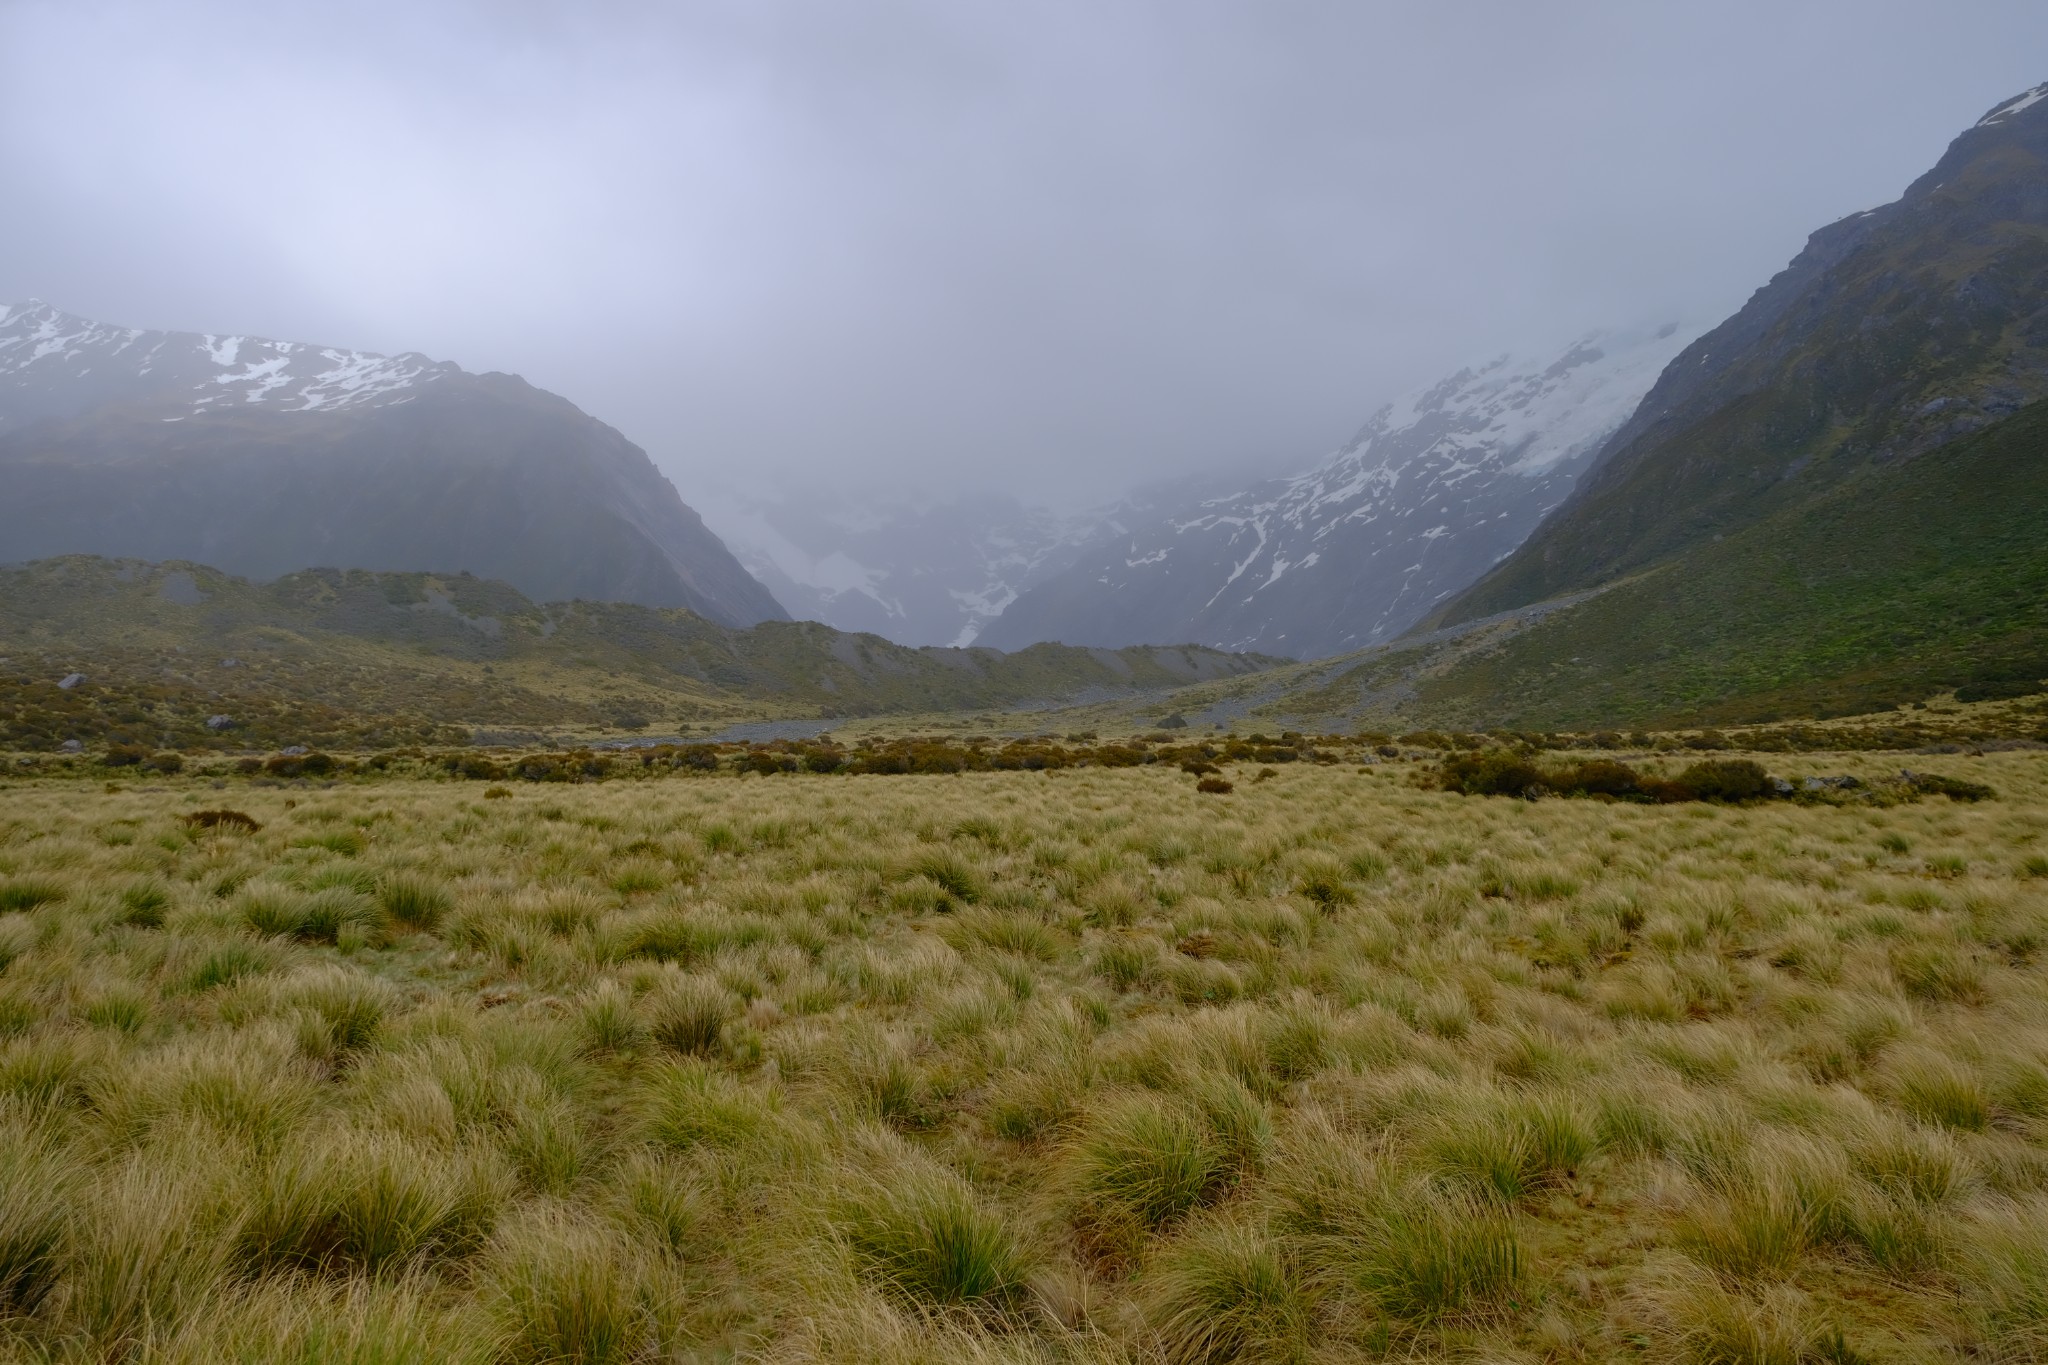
[(1066, 1065)]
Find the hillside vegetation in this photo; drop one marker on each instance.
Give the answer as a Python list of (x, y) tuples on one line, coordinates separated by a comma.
[(1081, 1066), (356, 659), (1906, 581)]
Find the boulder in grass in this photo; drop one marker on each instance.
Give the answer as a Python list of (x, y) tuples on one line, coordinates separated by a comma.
[(220, 722), (69, 681)]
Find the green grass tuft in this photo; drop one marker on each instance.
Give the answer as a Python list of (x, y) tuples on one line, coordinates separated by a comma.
[(1224, 1292), (1142, 1161), (924, 1234), (18, 894), (362, 1203), (413, 902), (690, 1015), (566, 1294)]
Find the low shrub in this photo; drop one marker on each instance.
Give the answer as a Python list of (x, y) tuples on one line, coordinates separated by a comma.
[(1508, 772), (233, 821), (1492, 772), (1724, 779), (1954, 788), (1999, 689), (301, 765), (1595, 777)]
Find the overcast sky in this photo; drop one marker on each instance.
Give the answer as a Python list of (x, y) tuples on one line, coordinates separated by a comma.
[(1042, 246)]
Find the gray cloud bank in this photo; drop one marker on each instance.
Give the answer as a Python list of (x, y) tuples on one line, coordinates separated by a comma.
[(1053, 248)]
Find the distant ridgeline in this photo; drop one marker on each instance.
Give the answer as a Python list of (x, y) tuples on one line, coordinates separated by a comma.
[(182, 655)]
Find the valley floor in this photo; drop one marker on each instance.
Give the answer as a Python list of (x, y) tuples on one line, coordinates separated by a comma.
[(1078, 1065)]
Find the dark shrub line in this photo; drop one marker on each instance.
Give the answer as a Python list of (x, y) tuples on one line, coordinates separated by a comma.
[(1509, 772)]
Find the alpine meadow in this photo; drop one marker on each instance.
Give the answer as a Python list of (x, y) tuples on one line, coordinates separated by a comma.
[(951, 834), (1070, 1064)]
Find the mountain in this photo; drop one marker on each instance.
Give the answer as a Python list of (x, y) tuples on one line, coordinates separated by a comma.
[(1899, 583), (1896, 329), (919, 571), (362, 659), (1430, 493), (264, 457), (1834, 502)]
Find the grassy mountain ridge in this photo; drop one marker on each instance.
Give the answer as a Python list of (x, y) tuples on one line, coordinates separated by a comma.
[(1894, 331), (360, 657), (1896, 585)]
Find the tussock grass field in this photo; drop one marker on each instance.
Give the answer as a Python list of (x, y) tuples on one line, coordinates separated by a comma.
[(1078, 1066)]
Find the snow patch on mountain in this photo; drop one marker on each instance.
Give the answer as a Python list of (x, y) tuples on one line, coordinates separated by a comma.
[(1432, 491), (2014, 106), (56, 364)]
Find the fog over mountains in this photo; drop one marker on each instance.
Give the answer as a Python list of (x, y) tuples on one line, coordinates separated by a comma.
[(1897, 329), (264, 457), (918, 570), (1433, 491)]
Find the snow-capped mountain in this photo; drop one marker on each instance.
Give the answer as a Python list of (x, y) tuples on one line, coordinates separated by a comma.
[(261, 457), (1435, 489), (55, 365), (919, 571)]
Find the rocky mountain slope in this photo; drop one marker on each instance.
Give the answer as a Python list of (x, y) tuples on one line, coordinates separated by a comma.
[(263, 457), (1895, 330), (361, 658), (1431, 492)]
